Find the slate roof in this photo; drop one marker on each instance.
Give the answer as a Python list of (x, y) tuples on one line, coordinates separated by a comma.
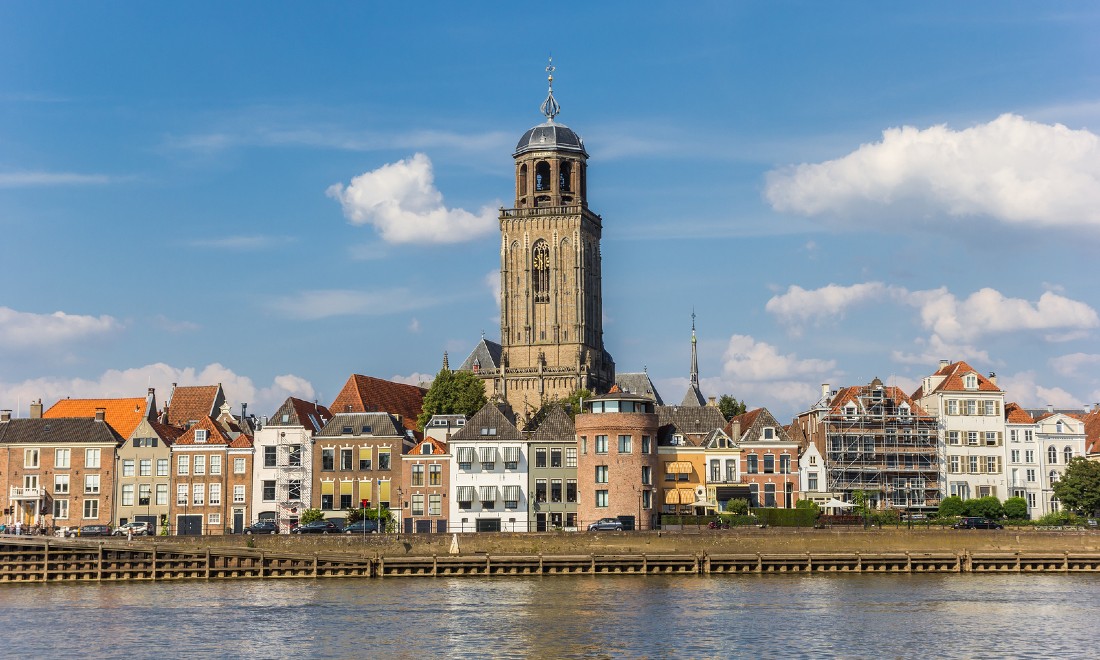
[(369, 394), (381, 425), (301, 413), (555, 427), (168, 433), (193, 402), (122, 414), (953, 380), (57, 430), (693, 397), (692, 422), (639, 383), (497, 416), (550, 136), (487, 353)]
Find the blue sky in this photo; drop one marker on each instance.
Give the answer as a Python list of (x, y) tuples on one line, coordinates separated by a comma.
[(274, 196)]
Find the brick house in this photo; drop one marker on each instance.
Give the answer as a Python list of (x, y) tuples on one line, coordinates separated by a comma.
[(211, 479), (425, 471)]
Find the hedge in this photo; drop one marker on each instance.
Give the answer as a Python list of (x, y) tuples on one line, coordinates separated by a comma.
[(786, 517)]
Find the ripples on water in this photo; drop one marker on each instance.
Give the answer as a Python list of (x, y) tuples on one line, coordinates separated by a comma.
[(894, 616)]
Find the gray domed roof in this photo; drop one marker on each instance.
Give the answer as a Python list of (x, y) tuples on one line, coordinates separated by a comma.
[(550, 136)]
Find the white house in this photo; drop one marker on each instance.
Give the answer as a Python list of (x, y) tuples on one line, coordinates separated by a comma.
[(489, 474), (282, 473)]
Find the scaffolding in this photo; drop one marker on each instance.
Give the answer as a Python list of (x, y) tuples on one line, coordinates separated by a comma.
[(293, 478), (879, 442)]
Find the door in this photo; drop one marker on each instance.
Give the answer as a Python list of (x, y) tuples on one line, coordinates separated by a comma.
[(189, 525), (540, 522), (238, 521), (423, 526), (409, 525), (441, 526), (488, 524)]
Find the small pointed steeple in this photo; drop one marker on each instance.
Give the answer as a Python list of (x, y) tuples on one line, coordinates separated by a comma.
[(694, 353), (446, 364), (550, 106)]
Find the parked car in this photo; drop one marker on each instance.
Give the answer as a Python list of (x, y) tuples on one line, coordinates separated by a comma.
[(318, 527), (977, 523), (136, 528), (362, 527), (262, 527), (606, 525), (91, 530)]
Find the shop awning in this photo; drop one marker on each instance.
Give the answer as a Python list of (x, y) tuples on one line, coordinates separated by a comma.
[(672, 496), (678, 467), (487, 454), (466, 455)]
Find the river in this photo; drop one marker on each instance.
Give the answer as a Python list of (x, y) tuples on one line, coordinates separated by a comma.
[(861, 616)]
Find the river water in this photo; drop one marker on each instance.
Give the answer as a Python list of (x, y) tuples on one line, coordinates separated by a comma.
[(860, 616)]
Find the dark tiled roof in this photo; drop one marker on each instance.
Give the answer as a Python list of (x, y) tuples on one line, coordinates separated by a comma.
[(381, 425), (301, 413), (368, 394), (487, 353), (192, 403), (167, 432), (639, 383), (745, 419), (693, 397), (491, 416), (752, 423), (555, 427), (57, 430), (692, 422), (122, 414)]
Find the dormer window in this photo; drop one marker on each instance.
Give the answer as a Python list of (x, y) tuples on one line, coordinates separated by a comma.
[(488, 431), (346, 430), (367, 429), (769, 433), (200, 436), (970, 381), (426, 449)]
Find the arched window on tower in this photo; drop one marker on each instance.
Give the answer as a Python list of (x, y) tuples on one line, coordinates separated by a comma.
[(565, 177), (523, 180), (542, 175), (540, 271)]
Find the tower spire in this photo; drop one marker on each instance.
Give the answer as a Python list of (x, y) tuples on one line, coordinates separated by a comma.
[(550, 106), (694, 353), (446, 362)]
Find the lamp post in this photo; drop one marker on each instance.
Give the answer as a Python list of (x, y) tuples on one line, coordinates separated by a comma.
[(400, 512)]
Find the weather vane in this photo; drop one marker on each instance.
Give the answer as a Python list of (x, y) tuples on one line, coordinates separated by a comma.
[(550, 106)]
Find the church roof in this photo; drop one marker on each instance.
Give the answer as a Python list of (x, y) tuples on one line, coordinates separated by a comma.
[(550, 136), (693, 398), (486, 354), (639, 383)]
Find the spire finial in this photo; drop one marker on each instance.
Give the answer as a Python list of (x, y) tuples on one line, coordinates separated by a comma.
[(694, 353), (550, 106)]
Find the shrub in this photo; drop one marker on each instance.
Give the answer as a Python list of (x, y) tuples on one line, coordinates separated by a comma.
[(888, 517), (1058, 518), (807, 504), (311, 515), (951, 507), (987, 507), (737, 506), (786, 517), (1015, 508)]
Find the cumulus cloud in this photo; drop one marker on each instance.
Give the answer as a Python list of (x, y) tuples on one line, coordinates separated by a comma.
[(1010, 169), (29, 330), (746, 359), (401, 201), (415, 378), (1024, 389), (1076, 364), (134, 382), (326, 303), (800, 305)]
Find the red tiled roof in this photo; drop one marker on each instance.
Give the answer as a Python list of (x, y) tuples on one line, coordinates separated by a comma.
[(1092, 432), (953, 379), (214, 434), (747, 419), (192, 403), (167, 432), (438, 447), (1014, 414), (368, 394), (122, 414), (890, 392)]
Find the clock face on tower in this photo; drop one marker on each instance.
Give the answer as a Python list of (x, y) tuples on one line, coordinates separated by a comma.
[(542, 260)]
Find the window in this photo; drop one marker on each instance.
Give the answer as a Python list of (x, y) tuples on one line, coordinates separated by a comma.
[(952, 407), (811, 481), (128, 495), (345, 497), (145, 494), (971, 407), (268, 493), (970, 382), (1030, 472), (972, 438), (540, 490), (540, 271), (646, 444), (991, 465), (435, 475), (238, 466), (198, 494), (1015, 456), (200, 465), (973, 464), (511, 458), (91, 459), (1014, 435), (1067, 454), (294, 490), (418, 474), (345, 458), (145, 467), (991, 408), (238, 494), (216, 464), (1053, 476), (162, 494), (785, 464), (1029, 455), (991, 439), (769, 433), (555, 458), (555, 490), (383, 459), (200, 436), (91, 509), (540, 457), (61, 484), (601, 444), (752, 464), (601, 474), (183, 464), (954, 464), (162, 467), (488, 456), (1052, 455), (601, 498), (647, 499), (328, 459), (571, 457), (570, 490), (181, 494), (30, 458), (60, 509), (364, 458), (418, 504), (731, 469), (952, 437), (624, 444), (214, 519), (271, 453), (61, 459), (435, 504), (769, 495), (91, 484), (215, 494), (754, 495)]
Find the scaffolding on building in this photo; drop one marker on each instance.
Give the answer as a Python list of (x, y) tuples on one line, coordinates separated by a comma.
[(293, 478), (877, 441)]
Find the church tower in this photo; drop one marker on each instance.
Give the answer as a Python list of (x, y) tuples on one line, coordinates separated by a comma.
[(551, 307)]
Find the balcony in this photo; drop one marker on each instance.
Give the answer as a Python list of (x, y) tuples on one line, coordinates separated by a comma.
[(18, 493)]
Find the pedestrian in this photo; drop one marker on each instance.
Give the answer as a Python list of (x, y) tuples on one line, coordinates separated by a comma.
[(18, 527)]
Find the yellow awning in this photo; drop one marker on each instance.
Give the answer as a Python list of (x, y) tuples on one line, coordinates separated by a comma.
[(346, 487), (364, 453), (365, 490), (327, 487), (672, 496), (384, 491), (679, 467), (687, 496)]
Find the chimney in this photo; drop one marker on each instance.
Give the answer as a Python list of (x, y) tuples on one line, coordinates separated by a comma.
[(36, 409), (712, 402), (944, 363), (824, 390), (100, 414), (1050, 407), (5, 415), (993, 377), (244, 411)]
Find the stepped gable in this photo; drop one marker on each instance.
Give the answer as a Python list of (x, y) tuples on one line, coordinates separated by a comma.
[(297, 412), (493, 422), (369, 394), (57, 430), (122, 414), (694, 423), (194, 402), (555, 426)]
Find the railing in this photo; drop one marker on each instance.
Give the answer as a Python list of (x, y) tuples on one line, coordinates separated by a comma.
[(19, 493)]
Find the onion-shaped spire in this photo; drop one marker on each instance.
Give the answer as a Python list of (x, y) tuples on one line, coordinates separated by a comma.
[(550, 106)]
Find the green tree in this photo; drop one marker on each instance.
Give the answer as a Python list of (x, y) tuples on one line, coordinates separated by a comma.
[(986, 507), (571, 404), (1079, 487), (951, 507), (740, 507), (452, 393), (807, 504), (311, 515), (731, 407), (1015, 508)]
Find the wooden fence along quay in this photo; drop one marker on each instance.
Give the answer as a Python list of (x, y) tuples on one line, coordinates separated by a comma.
[(39, 560)]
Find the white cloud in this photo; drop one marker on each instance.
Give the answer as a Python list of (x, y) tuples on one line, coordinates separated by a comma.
[(29, 330), (746, 359), (415, 378), (492, 280), (1076, 364), (134, 382), (1025, 390), (401, 201), (40, 179), (801, 305), (1010, 169), (319, 304)]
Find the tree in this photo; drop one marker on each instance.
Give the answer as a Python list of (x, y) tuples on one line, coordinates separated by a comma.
[(1015, 508), (986, 507), (571, 404), (452, 393), (1079, 487), (807, 504), (740, 507), (311, 515), (731, 407), (951, 507)]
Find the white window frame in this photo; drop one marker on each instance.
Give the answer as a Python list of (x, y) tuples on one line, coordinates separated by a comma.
[(91, 508), (92, 458), (62, 459)]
